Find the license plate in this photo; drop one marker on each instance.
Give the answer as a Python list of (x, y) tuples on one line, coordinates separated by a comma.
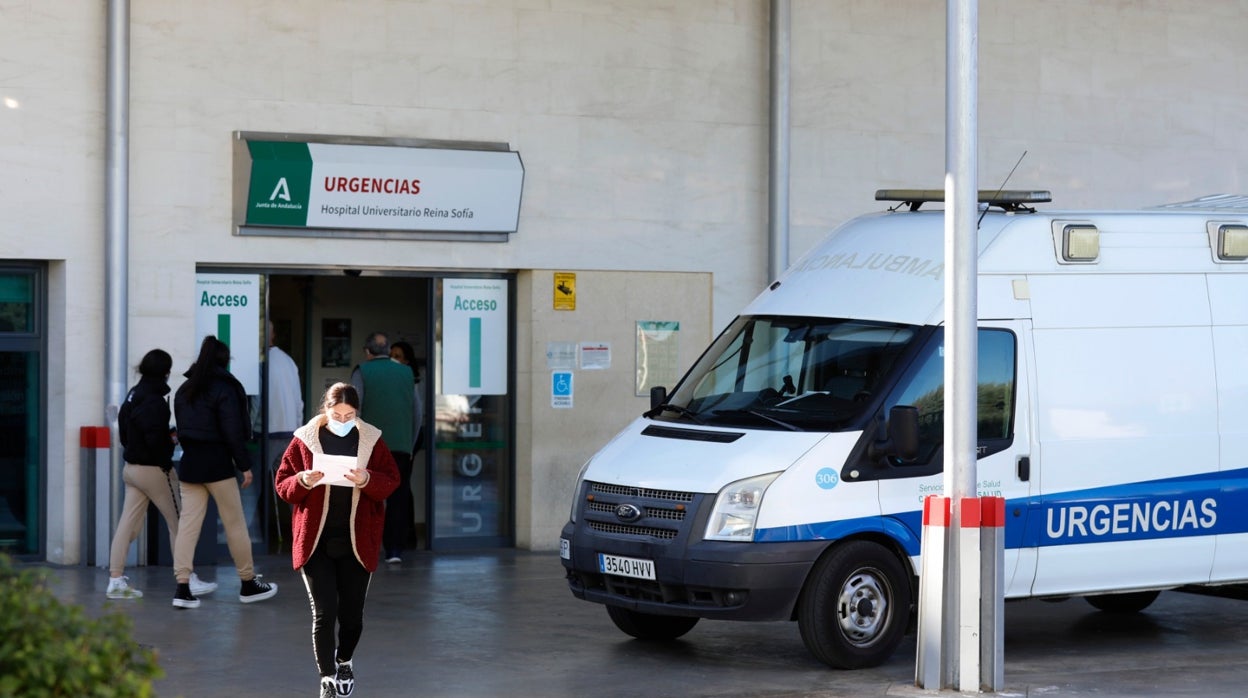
[(625, 566)]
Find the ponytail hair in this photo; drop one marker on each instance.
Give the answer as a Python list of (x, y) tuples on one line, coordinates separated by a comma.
[(213, 354)]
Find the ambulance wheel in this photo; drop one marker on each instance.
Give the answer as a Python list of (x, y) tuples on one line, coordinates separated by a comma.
[(854, 609), (647, 626), (1133, 602)]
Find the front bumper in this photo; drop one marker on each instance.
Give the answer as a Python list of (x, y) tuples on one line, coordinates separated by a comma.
[(706, 579)]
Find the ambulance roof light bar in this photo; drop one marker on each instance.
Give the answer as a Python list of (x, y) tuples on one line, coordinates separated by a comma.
[(1013, 200)]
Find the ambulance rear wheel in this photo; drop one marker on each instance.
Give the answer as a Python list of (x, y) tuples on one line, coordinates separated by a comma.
[(854, 609), (1133, 602), (648, 626)]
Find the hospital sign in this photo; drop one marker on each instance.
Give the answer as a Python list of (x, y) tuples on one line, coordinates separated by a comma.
[(296, 185)]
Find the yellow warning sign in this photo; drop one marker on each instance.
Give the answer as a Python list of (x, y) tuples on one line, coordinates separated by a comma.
[(565, 290)]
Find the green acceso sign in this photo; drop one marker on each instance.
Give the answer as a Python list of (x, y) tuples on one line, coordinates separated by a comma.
[(293, 185), (227, 306)]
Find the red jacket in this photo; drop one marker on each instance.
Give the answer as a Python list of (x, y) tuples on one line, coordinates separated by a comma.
[(308, 507)]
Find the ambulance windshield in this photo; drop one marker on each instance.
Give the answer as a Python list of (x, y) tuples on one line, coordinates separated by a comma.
[(796, 373)]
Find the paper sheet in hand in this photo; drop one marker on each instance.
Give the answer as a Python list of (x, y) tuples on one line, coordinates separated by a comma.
[(334, 467)]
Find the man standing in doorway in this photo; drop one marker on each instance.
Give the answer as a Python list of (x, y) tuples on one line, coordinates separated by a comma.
[(387, 400), (285, 416)]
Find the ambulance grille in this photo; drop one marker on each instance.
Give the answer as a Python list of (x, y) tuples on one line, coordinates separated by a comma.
[(637, 512), (669, 514), (626, 491)]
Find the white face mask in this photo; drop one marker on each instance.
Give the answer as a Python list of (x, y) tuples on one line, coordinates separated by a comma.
[(340, 428)]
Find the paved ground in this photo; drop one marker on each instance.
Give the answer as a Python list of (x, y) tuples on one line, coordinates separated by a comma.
[(504, 624)]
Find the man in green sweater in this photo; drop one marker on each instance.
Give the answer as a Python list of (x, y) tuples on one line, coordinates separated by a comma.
[(388, 401)]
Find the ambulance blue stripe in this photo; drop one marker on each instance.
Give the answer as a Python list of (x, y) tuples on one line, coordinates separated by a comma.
[(834, 530), (1193, 505)]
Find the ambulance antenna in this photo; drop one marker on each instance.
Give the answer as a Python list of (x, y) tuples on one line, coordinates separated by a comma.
[(1002, 187)]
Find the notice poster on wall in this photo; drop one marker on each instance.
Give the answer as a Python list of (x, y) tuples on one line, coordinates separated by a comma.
[(658, 355), (335, 342), (474, 337), (227, 306)]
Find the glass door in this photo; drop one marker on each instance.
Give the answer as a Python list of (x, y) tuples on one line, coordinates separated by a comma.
[(21, 424), (473, 425)]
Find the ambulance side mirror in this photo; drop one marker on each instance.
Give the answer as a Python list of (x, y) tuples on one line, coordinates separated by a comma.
[(658, 396), (901, 435)]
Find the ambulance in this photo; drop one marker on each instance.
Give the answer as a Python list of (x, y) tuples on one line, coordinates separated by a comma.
[(783, 477)]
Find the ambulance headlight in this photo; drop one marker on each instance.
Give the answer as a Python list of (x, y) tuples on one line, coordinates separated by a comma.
[(576, 492), (736, 509)]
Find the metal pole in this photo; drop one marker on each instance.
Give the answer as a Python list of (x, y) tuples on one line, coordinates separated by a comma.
[(116, 200), (961, 246), (778, 176)]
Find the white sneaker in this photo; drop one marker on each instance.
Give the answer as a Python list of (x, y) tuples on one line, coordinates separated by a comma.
[(200, 587), (119, 588), (344, 680)]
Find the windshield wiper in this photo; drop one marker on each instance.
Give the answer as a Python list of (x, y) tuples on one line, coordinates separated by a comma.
[(669, 407), (760, 415)]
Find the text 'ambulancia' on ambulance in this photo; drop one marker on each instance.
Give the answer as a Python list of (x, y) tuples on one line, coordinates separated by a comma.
[(783, 478)]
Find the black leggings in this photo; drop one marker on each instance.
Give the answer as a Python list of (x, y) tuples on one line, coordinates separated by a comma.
[(337, 586)]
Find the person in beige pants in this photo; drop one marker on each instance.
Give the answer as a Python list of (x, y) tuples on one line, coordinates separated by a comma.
[(148, 445), (213, 427), (230, 507)]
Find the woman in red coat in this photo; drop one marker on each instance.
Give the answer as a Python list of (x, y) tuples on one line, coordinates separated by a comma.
[(337, 516)]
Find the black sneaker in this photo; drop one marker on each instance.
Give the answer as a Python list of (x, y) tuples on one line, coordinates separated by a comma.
[(344, 682), (183, 598), (254, 590), (327, 688)]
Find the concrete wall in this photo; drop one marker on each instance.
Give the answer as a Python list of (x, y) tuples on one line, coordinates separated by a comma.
[(641, 124), (555, 442), (1116, 104)]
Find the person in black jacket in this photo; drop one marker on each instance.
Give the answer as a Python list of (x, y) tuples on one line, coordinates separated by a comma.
[(147, 447), (213, 428)]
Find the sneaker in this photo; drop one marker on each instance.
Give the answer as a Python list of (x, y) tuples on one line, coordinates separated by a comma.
[(344, 682), (327, 687), (254, 590), (393, 556), (200, 587), (119, 588), (183, 598)]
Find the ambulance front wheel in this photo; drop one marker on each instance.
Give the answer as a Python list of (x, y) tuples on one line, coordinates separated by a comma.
[(648, 626), (854, 609)]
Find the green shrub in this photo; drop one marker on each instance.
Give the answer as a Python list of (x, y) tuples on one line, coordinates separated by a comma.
[(49, 648)]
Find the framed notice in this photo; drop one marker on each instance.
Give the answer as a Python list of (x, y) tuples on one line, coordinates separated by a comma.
[(658, 355), (335, 342)]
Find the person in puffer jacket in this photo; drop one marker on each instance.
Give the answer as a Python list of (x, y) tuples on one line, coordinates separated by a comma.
[(147, 447), (337, 518), (214, 427)]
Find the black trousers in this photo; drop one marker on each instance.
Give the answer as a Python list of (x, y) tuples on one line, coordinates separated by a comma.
[(337, 586), (399, 507)]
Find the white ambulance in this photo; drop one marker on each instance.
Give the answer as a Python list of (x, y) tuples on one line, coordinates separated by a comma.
[(784, 476)]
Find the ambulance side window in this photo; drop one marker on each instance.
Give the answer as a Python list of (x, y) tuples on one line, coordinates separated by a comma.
[(924, 388)]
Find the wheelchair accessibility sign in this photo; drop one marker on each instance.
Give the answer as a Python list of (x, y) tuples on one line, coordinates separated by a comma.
[(561, 389)]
